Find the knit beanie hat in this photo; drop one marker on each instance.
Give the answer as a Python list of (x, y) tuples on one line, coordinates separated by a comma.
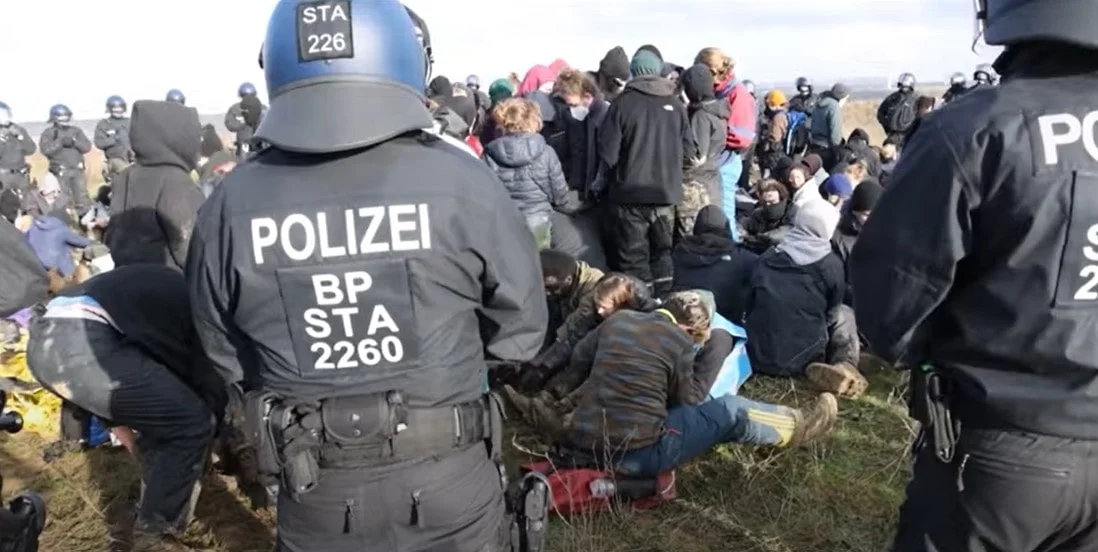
[(839, 185), (645, 64), (650, 49), (500, 90), (775, 99), (865, 196)]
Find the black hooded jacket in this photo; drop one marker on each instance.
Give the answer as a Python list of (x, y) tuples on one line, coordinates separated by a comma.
[(613, 68), (154, 202), (440, 91), (23, 281), (708, 126), (644, 142), (712, 261)]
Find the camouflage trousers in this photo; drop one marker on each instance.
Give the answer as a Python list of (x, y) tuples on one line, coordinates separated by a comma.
[(694, 198)]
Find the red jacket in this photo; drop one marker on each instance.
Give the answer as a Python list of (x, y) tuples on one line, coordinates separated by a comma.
[(741, 118)]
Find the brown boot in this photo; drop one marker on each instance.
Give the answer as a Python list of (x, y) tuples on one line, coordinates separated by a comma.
[(539, 412), (810, 425), (842, 379)]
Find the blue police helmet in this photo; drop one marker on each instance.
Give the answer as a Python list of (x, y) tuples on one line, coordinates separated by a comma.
[(175, 96), (342, 74), (246, 89), (116, 102), (60, 112)]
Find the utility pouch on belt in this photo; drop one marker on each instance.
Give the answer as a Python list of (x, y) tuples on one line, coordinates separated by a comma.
[(361, 426), (260, 429), (930, 400), (528, 503)]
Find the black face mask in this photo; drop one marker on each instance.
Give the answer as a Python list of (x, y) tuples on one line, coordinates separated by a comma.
[(773, 213)]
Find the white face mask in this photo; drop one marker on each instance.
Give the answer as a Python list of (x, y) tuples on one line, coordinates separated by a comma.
[(547, 87), (579, 112)]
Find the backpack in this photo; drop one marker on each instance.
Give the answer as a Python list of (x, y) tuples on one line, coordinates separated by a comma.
[(579, 490), (797, 135), (897, 112)]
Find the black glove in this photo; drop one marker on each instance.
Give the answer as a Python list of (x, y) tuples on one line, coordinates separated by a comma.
[(68, 142), (532, 377)]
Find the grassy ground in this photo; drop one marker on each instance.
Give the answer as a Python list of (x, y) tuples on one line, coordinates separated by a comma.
[(839, 495)]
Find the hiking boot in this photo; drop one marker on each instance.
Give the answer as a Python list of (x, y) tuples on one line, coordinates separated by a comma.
[(539, 412), (810, 425), (841, 378)]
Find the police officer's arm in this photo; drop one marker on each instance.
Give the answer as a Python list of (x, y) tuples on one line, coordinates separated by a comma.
[(904, 261), (610, 137), (177, 208), (81, 142), (26, 143), (514, 291), (103, 141), (50, 142), (234, 119), (210, 283)]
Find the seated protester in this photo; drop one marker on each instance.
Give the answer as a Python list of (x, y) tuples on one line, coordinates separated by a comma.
[(52, 241), (613, 292), (853, 216), (548, 410), (97, 218), (814, 167), (890, 155), (794, 318), (567, 282), (710, 260), (857, 147), (123, 347), (641, 406), (771, 219), (23, 280), (839, 189), (48, 198), (802, 185), (529, 168)]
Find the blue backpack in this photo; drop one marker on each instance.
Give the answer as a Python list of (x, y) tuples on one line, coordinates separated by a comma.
[(798, 134)]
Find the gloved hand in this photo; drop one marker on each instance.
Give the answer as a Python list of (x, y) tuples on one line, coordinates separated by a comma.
[(68, 142)]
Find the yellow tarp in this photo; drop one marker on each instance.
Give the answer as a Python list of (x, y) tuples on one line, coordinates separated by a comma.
[(41, 410)]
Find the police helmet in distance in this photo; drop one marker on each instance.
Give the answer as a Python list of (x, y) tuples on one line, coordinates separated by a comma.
[(246, 89), (750, 86), (175, 96), (958, 79), (60, 113), (906, 80), (1009, 22), (473, 81), (804, 86), (984, 74), (341, 75), (116, 105)]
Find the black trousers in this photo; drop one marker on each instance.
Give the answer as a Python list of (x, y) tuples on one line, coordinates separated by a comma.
[(75, 182), (641, 238), (451, 503), (1003, 492), (94, 367)]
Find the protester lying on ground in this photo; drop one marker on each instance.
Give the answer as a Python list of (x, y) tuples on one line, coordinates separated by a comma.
[(772, 218), (52, 240), (123, 347), (23, 281), (613, 292), (640, 405), (155, 201), (711, 260), (529, 168), (796, 321), (854, 215), (48, 198)]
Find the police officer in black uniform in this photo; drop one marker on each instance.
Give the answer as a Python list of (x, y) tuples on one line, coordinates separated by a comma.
[(352, 276), (979, 269)]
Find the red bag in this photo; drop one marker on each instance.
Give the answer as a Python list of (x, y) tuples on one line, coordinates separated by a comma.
[(571, 489)]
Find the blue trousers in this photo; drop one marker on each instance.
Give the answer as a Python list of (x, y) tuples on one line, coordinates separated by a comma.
[(731, 167), (694, 430)]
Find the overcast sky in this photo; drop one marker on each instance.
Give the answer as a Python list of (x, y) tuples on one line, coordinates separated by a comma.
[(206, 48)]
